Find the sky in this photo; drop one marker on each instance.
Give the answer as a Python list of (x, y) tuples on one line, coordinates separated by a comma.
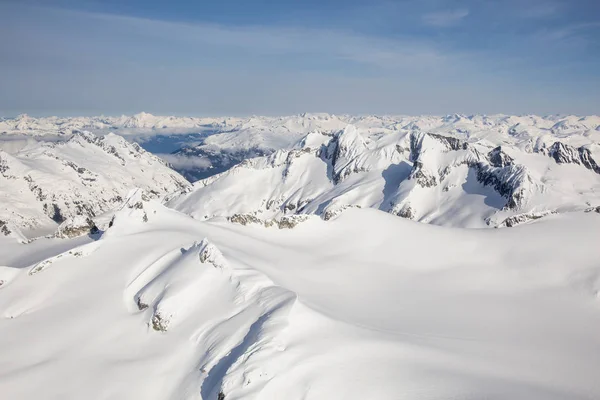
[(243, 57)]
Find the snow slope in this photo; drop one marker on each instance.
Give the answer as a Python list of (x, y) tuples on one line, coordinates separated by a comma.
[(362, 306), (46, 182), (427, 177)]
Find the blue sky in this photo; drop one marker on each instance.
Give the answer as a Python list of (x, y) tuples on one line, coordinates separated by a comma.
[(84, 57)]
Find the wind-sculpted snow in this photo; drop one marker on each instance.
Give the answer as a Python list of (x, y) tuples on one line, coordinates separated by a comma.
[(365, 305), (427, 177)]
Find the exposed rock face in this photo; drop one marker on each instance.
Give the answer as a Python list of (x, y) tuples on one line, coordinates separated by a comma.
[(449, 142), (416, 175), (425, 149), (133, 209), (342, 150), (333, 212), (76, 226), (9, 230), (497, 170), (209, 254), (159, 322), (512, 182), (84, 174), (285, 222), (499, 158), (522, 218), (4, 229), (586, 159), (565, 154), (405, 211)]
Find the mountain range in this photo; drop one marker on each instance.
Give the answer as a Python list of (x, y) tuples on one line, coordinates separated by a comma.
[(317, 257)]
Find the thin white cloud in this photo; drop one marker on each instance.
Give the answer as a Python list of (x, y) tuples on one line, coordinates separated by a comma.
[(444, 19), (79, 33), (88, 63), (179, 161), (538, 9)]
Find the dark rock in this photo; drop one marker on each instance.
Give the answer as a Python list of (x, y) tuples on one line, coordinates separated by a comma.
[(499, 158)]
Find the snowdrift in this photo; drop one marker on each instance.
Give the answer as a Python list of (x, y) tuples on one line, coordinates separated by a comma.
[(365, 305)]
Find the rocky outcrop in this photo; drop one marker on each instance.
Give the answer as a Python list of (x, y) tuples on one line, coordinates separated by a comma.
[(208, 253), (499, 158), (565, 154), (83, 175), (523, 218), (78, 225), (512, 182), (332, 212), (285, 222), (8, 229), (404, 211), (341, 152)]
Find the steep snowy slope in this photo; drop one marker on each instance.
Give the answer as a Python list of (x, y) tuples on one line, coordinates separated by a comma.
[(422, 176), (365, 306), (44, 183)]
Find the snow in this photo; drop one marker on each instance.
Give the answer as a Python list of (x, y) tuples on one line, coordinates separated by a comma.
[(45, 183), (428, 177), (366, 305), (334, 261)]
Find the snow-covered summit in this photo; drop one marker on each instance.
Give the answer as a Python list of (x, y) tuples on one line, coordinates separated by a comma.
[(45, 183), (452, 180)]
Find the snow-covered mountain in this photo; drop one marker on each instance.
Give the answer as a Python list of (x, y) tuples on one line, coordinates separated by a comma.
[(216, 144), (47, 182), (142, 122), (298, 271), (456, 170), (473, 181)]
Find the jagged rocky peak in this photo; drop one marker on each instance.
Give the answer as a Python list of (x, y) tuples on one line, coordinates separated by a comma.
[(342, 149), (587, 160), (75, 226), (565, 154), (208, 253), (497, 170), (449, 142), (512, 182), (421, 141), (498, 158), (425, 150), (424, 176)]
